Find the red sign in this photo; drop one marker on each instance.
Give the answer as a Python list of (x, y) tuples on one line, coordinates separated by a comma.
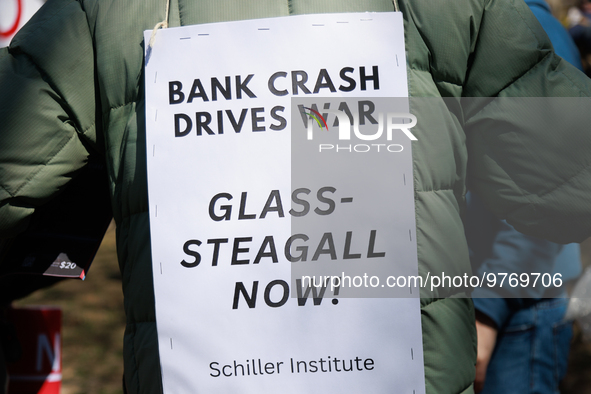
[(14, 26), (39, 370)]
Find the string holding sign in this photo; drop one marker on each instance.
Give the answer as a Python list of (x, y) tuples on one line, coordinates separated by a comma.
[(163, 24)]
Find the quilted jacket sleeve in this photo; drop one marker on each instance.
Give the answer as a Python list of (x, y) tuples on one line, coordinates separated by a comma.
[(47, 110), (527, 116)]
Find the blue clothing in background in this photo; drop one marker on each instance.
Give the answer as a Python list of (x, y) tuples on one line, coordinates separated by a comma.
[(563, 44), (531, 352), (497, 248), (533, 340), (531, 355)]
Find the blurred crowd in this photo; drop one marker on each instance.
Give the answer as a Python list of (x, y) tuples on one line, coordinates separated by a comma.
[(575, 16)]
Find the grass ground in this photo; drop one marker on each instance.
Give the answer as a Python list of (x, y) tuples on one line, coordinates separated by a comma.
[(93, 325)]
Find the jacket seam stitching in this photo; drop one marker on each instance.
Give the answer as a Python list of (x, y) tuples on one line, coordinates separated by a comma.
[(45, 77), (43, 166), (135, 363), (433, 301), (180, 15), (435, 190), (119, 106), (524, 21), (511, 83), (573, 83), (420, 33), (75, 121), (138, 213), (430, 69), (7, 191), (525, 74), (93, 124), (436, 78), (441, 80), (528, 196), (529, 71)]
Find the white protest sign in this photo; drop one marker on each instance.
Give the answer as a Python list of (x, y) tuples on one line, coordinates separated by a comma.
[(224, 206)]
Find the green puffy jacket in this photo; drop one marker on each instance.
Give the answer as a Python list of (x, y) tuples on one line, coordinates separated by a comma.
[(71, 83)]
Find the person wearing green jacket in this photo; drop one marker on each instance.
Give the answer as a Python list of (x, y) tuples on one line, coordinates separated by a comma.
[(71, 86)]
